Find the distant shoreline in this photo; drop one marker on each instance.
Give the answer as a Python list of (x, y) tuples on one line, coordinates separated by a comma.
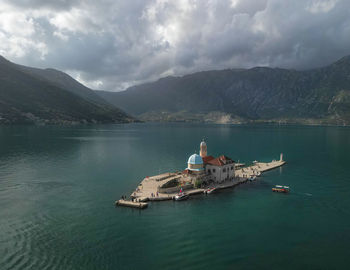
[(257, 122), (240, 123)]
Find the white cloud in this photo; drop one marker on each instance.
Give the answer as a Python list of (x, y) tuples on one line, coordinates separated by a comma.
[(318, 6), (16, 24), (112, 44), (75, 20), (93, 84), (61, 35), (18, 46), (17, 34)]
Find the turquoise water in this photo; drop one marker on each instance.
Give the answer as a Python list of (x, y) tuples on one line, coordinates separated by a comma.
[(58, 186)]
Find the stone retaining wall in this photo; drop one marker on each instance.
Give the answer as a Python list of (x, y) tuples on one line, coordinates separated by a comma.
[(174, 189)]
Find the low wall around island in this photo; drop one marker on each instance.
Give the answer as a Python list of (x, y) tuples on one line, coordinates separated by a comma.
[(174, 189)]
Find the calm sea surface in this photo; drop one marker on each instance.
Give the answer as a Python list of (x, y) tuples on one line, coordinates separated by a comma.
[(58, 186)]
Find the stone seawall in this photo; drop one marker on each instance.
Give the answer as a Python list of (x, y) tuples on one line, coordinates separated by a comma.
[(174, 189)]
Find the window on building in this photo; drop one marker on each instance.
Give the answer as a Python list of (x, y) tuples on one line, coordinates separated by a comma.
[(231, 168), (213, 170), (224, 170), (209, 171)]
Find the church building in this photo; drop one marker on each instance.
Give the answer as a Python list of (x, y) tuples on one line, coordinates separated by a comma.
[(208, 168)]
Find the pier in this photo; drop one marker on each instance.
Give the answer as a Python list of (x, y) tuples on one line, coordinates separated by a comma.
[(140, 205), (258, 167)]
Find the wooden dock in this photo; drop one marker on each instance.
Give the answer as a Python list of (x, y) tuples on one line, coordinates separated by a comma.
[(140, 205)]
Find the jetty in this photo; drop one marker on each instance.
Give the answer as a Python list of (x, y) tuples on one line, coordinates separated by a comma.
[(259, 167), (132, 204)]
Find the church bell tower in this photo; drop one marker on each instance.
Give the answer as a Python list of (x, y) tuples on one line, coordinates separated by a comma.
[(203, 149)]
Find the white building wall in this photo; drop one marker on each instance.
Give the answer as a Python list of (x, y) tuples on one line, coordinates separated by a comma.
[(220, 173)]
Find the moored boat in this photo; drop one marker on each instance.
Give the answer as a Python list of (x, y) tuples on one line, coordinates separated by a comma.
[(252, 178), (181, 196), (209, 190)]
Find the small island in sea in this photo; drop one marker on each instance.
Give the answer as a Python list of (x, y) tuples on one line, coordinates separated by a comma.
[(204, 174)]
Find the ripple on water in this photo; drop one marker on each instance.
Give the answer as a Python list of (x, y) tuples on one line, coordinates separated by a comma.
[(32, 244), (60, 226), (18, 244)]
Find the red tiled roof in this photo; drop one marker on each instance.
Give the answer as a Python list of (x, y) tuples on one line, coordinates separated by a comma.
[(220, 161), (207, 158)]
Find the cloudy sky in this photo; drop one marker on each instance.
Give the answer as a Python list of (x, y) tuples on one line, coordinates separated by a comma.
[(112, 44)]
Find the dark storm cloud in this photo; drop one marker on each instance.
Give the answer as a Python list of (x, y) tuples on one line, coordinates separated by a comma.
[(112, 44)]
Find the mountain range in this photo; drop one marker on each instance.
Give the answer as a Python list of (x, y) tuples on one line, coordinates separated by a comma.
[(260, 94), (48, 96)]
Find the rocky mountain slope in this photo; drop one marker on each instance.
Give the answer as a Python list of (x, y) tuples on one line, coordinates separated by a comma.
[(320, 96), (30, 95)]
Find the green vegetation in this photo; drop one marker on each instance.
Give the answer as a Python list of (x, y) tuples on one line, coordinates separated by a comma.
[(318, 96), (197, 184), (29, 95)]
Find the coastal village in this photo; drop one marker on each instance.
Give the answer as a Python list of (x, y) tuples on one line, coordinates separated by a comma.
[(203, 174)]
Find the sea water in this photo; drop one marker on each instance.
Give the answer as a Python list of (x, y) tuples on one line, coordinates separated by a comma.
[(58, 186)]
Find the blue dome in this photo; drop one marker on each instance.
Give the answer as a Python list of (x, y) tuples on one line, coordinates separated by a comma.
[(195, 159)]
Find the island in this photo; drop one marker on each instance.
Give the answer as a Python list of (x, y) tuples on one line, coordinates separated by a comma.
[(204, 173)]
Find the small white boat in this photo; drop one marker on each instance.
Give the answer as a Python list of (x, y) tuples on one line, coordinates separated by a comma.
[(209, 190), (181, 196), (252, 178)]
